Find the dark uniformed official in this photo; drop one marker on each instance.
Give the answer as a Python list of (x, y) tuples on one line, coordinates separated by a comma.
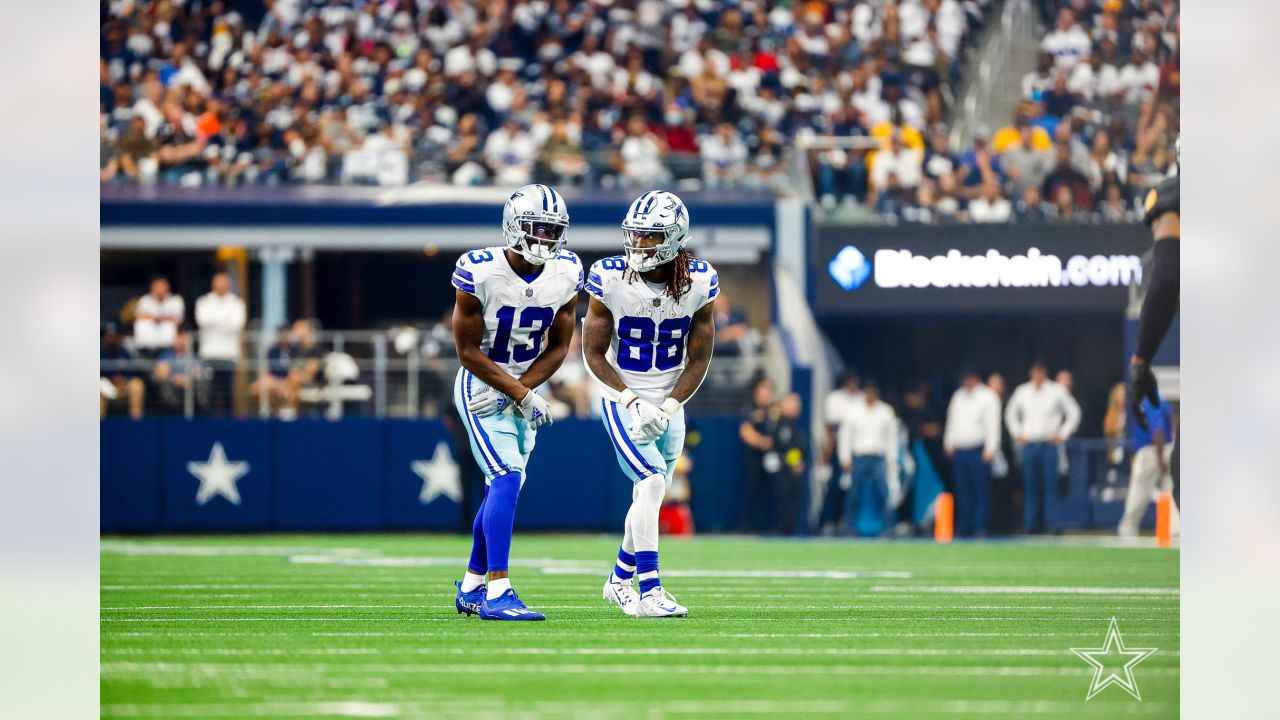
[(1160, 304)]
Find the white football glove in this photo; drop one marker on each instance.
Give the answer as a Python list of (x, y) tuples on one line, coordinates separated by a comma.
[(535, 409), (488, 402)]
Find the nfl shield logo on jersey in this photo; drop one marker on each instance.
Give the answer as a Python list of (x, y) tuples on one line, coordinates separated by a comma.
[(528, 292), (657, 302)]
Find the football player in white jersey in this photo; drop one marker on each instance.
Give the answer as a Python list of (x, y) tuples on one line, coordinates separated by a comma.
[(647, 340), (512, 322)]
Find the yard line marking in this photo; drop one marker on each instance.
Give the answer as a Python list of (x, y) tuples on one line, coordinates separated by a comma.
[(265, 670), (1025, 590), (621, 652), (349, 708)]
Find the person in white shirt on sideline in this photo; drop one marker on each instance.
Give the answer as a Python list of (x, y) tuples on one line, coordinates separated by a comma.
[(220, 315), (834, 409), (1041, 415), (971, 439), (868, 450), (156, 319)]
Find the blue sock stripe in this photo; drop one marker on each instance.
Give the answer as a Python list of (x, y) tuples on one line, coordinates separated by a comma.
[(647, 585), (623, 573), (646, 561), (626, 558), (649, 470)]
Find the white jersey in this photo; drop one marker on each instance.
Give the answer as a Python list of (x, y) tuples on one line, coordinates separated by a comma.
[(517, 314), (650, 327)]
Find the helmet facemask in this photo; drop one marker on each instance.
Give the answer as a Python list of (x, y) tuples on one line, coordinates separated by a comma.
[(648, 249), (539, 241)]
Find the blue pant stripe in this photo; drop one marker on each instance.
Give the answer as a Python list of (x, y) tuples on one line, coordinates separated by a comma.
[(613, 436), (486, 446), (620, 431)]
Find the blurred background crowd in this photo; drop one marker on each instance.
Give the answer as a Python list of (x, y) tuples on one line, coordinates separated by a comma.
[(637, 93)]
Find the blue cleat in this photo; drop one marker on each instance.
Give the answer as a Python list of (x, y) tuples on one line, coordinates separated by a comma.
[(507, 606), (468, 602)]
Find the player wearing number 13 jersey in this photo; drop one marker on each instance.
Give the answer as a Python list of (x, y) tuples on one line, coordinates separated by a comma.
[(647, 340), (512, 320)]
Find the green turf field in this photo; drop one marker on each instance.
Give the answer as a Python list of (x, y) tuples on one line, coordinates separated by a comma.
[(364, 626)]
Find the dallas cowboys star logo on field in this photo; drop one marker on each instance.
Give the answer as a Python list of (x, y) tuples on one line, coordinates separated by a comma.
[(217, 476), (1113, 663), (439, 476)]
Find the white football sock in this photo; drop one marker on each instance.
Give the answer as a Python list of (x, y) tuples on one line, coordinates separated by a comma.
[(647, 500), (471, 581), (495, 588)]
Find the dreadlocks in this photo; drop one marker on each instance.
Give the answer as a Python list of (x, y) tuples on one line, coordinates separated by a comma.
[(678, 282)]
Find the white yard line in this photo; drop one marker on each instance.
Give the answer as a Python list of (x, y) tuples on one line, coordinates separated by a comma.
[(611, 652), (259, 670), (1025, 590)]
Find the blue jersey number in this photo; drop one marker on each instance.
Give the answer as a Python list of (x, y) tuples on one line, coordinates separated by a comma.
[(537, 318), (637, 351), (479, 256), (613, 263)]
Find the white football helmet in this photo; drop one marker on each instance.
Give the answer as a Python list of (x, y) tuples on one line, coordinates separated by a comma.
[(535, 222), (655, 215)]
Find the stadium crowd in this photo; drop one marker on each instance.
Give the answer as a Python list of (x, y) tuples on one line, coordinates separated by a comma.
[(638, 93)]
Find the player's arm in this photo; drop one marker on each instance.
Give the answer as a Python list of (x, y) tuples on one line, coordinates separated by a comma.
[(597, 334), (558, 337), (468, 333), (702, 338)]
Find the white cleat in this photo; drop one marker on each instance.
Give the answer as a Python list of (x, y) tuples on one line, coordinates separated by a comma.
[(623, 595), (659, 603)]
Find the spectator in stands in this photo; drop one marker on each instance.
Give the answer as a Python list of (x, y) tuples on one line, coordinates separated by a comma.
[(1040, 416), (790, 483), (979, 165), (868, 451), (562, 161), (990, 206), (1068, 42), (898, 161), (938, 158), (948, 205), (1114, 208), (1152, 451), (271, 387), (971, 439), (768, 167), (221, 317), (760, 460), (1140, 78), (304, 368), (1032, 208), (466, 158), (156, 319), (1039, 81), (1094, 81), (1103, 161), (121, 379), (1064, 206), (891, 199), (179, 373), (571, 383), (137, 152), (1065, 176), (638, 154), (1059, 100), (510, 153), (724, 157)]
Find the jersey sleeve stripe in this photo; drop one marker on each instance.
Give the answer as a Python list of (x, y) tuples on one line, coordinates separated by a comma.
[(715, 280), (595, 291), (464, 285), (713, 293), (595, 278), (464, 274)]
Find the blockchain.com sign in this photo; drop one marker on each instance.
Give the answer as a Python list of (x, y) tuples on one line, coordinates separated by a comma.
[(1005, 269)]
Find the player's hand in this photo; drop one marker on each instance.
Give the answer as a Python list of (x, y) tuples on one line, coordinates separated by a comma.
[(535, 409), (1142, 386), (487, 402), (648, 422)]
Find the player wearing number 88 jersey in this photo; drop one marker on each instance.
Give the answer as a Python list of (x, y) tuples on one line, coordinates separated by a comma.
[(648, 340), (513, 319)]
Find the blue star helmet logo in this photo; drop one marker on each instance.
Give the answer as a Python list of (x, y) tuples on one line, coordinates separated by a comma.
[(850, 268)]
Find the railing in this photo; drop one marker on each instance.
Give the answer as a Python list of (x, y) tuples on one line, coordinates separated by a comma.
[(406, 373)]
